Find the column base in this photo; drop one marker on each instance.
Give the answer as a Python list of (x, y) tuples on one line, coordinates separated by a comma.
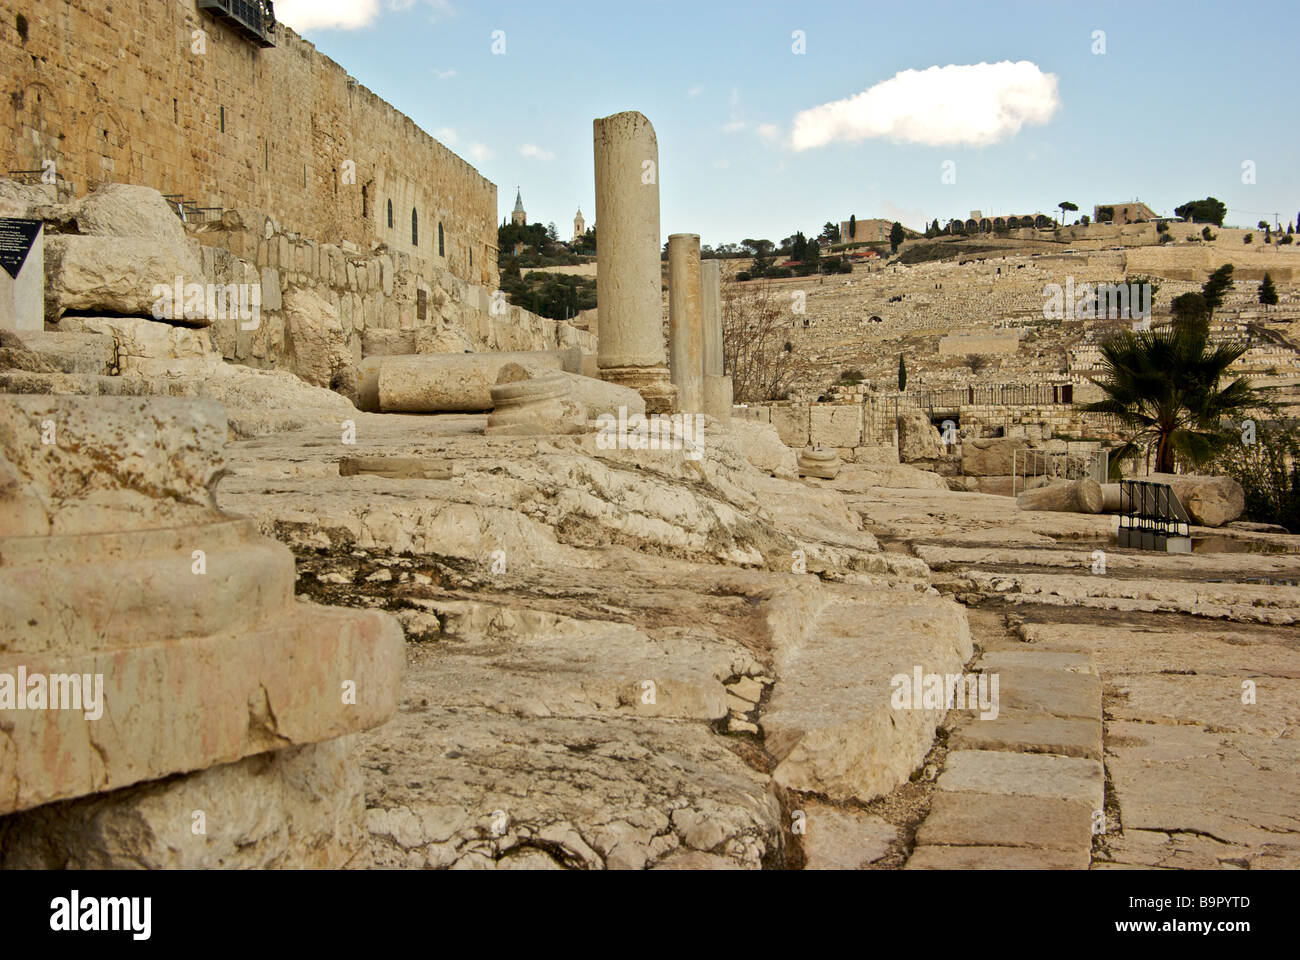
[(653, 383)]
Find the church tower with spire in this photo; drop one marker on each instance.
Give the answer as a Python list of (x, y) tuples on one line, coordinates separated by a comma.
[(518, 217), (579, 226)]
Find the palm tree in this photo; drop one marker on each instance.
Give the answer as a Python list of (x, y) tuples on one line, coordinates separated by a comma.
[(1163, 386)]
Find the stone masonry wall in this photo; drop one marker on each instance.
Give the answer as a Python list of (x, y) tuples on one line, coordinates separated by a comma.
[(117, 92)]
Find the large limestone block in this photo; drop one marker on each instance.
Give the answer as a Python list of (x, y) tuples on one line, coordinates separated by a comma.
[(1210, 501), (831, 724), (318, 347), (1069, 496), (791, 422), (299, 808), (187, 703), (451, 383), (69, 351), (989, 456), (761, 445), (114, 275), (836, 425), (126, 210), (120, 581), (917, 437), (111, 463), (858, 478), (142, 632), (137, 340), (379, 342)]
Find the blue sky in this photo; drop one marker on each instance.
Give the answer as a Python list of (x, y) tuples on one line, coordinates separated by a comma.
[(1185, 93)]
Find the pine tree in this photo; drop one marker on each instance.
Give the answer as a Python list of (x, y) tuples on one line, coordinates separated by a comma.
[(896, 236), (1267, 292), (902, 374)]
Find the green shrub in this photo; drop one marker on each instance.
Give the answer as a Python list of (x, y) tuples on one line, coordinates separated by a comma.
[(1269, 472)]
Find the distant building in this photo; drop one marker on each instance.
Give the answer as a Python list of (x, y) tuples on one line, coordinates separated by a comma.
[(865, 231), (579, 226), (1134, 211), (978, 223), (518, 217)]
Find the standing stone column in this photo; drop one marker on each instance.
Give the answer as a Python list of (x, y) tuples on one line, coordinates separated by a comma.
[(685, 332), (717, 386), (630, 318)]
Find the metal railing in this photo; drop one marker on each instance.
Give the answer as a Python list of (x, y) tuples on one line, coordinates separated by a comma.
[(1152, 517), (1027, 463), (253, 18), (188, 211)]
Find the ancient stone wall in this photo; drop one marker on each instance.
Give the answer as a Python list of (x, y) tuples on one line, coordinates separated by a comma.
[(132, 93)]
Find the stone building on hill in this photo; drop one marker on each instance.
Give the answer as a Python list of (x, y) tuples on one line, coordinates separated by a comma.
[(1134, 211)]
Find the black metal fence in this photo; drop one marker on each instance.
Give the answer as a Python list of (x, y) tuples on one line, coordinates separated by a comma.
[(1152, 517)]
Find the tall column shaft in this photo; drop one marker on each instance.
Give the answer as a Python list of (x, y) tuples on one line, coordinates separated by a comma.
[(717, 386), (711, 315), (685, 328), (630, 317)]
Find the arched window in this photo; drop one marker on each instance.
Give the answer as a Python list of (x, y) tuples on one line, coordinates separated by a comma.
[(441, 249), (415, 228)]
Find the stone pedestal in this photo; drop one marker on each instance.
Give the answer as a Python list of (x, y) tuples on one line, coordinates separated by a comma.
[(821, 462), (528, 406), (685, 330), (631, 350), (22, 292)]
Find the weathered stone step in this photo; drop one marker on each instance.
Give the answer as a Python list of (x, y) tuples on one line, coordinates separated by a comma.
[(830, 723), (86, 591), (180, 704), (1242, 602), (1030, 780)]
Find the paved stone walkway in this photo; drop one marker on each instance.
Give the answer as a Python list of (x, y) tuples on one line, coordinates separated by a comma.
[(1149, 714)]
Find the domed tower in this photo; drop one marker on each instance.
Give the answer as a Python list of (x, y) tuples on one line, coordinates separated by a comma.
[(579, 226), (518, 217)]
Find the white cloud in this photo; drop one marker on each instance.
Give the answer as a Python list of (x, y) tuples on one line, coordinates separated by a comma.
[(478, 152), (721, 164), (769, 131), (444, 74), (536, 152), (348, 14), (445, 134), (975, 105), (694, 92)]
